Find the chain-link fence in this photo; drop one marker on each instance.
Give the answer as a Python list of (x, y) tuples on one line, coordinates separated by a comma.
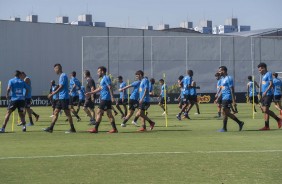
[(156, 55)]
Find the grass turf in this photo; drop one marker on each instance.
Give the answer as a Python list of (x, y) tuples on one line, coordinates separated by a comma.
[(187, 151)]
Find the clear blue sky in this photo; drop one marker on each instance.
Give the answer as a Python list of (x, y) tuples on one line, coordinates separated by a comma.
[(136, 13)]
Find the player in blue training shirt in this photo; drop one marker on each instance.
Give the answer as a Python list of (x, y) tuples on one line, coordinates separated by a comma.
[(133, 99), (228, 99), (277, 88), (162, 96), (267, 96), (74, 86), (186, 92), (123, 98), (144, 101), (63, 102), (28, 101), (55, 97), (81, 95), (252, 92), (106, 99), (15, 92), (218, 97), (151, 87)]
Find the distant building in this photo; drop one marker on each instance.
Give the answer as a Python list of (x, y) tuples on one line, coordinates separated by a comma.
[(17, 19), (245, 28), (62, 20), (32, 18), (147, 27), (187, 25), (163, 26), (100, 24), (205, 27)]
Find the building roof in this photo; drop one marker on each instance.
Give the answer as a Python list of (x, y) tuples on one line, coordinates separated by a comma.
[(260, 32)]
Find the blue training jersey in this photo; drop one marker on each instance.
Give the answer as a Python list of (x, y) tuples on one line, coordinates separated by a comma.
[(144, 90), (277, 86), (266, 79), (251, 91), (123, 94), (81, 93), (17, 88), (28, 95), (74, 91), (105, 92), (135, 93), (218, 85), (64, 92), (55, 96), (187, 80), (163, 88), (226, 85), (193, 91)]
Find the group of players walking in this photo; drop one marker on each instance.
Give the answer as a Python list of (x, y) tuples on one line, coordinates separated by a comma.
[(67, 94)]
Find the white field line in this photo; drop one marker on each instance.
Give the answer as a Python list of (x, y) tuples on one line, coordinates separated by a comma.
[(141, 153)]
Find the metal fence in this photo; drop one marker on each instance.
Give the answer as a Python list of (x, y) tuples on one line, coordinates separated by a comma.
[(156, 55)]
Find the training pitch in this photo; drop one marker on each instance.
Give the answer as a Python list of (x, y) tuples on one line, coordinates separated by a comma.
[(187, 151)]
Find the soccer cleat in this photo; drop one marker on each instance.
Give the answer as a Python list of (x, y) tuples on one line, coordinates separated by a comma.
[(152, 125), (2, 130), (264, 128), (142, 130), (241, 126), (92, 122), (36, 117), (51, 116), (186, 116), (30, 124), (279, 123), (48, 129), (24, 129), (178, 117), (113, 131), (222, 130), (123, 125), (70, 131), (93, 130), (135, 123)]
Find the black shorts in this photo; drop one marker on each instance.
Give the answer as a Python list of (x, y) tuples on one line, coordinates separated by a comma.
[(162, 101), (13, 105), (144, 106), (277, 98), (133, 104), (193, 98), (125, 101), (74, 100), (181, 102), (105, 105), (226, 104), (54, 102), (89, 104), (81, 102), (266, 101), (255, 99), (27, 102), (186, 99), (62, 104)]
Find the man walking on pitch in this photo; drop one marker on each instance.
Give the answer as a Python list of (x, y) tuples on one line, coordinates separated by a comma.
[(123, 98), (16, 87), (252, 92), (267, 96), (106, 99), (75, 85), (89, 105), (228, 99), (63, 102), (162, 96)]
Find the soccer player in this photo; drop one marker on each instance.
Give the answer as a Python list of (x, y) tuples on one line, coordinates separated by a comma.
[(228, 98), (144, 101), (55, 97), (81, 95), (28, 101), (252, 91), (218, 97), (192, 94), (89, 105), (16, 87), (277, 87), (162, 96), (151, 87), (133, 99), (106, 99), (267, 96), (75, 85), (123, 98), (63, 102), (186, 92), (181, 95)]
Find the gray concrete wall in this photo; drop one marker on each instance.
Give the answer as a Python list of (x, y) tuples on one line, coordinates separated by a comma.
[(36, 47)]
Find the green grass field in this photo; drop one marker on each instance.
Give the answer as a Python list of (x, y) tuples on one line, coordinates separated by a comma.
[(187, 151)]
